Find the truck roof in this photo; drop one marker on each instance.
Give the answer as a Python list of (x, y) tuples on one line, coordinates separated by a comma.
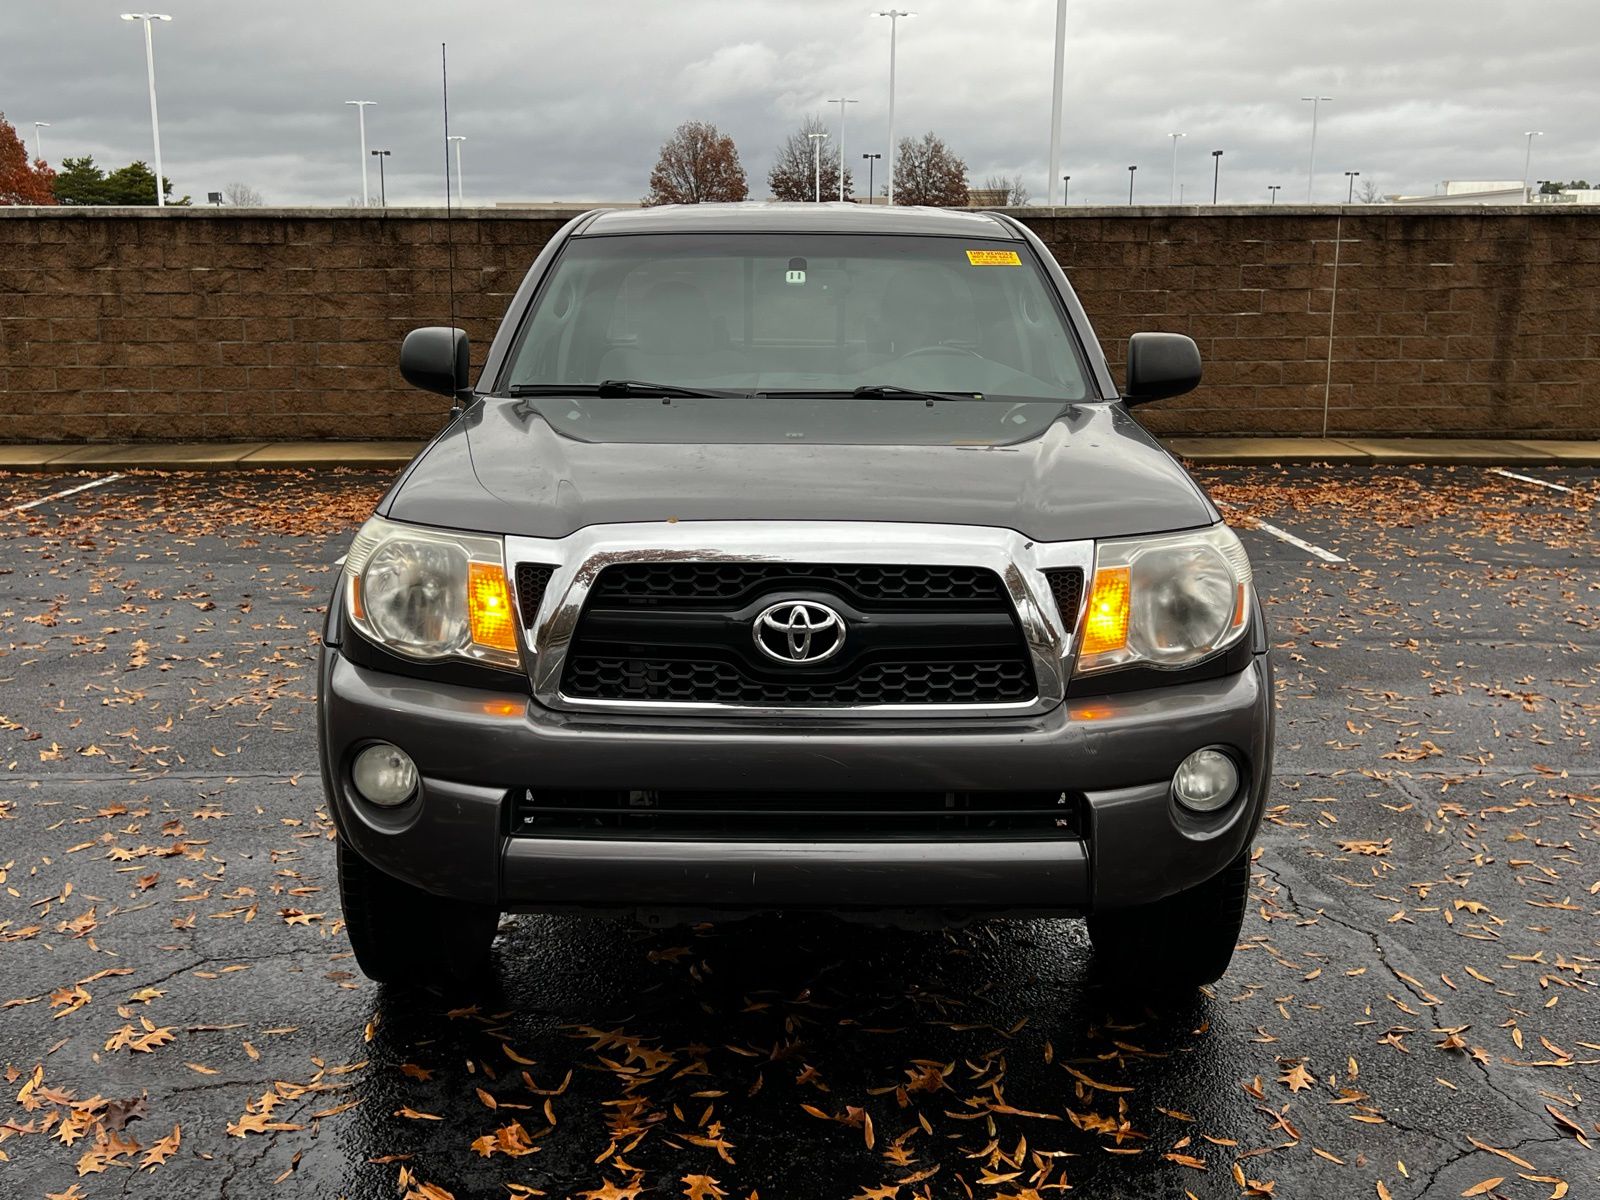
[(775, 217)]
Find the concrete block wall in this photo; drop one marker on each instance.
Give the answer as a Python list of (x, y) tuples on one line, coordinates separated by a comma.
[(200, 324)]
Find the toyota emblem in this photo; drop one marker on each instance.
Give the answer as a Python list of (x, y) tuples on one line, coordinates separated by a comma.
[(798, 632)]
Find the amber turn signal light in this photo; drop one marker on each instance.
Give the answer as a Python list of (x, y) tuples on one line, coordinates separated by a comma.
[(1106, 626), (489, 606)]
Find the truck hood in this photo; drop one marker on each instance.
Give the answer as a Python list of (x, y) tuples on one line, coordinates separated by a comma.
[(1051, 472)]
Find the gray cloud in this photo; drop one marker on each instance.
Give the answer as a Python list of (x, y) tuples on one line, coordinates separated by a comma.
[(572, 101)]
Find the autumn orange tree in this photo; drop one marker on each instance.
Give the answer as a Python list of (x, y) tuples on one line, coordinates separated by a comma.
[(927, 172), (21, 181), (699, 164)]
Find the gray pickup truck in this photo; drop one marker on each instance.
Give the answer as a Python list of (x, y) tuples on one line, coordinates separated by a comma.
[(796, 557)]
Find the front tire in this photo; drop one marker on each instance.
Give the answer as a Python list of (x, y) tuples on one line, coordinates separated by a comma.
[(1178, 943), (403, 935)]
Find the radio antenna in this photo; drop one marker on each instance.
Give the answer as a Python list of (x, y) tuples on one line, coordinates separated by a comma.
[(449, 228)]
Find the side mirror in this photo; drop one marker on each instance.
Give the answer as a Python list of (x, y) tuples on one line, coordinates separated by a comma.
[(1160, 365), (435, 359)]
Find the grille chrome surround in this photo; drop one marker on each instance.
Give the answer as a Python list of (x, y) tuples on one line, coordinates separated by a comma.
[(1018, 562)]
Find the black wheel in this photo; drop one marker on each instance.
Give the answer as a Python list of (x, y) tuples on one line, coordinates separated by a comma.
[(1178, 943), (403, 935)]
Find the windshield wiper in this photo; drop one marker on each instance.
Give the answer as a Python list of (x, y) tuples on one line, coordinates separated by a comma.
[(889, 391), (871, 391), (615, 389)]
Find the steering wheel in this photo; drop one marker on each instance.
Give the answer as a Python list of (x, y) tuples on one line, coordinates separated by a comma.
[(941, 349)]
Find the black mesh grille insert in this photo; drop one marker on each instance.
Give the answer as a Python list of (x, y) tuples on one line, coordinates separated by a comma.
[(686, 632), (794, 816), (1066, 585), (691, 681), (532, 579)]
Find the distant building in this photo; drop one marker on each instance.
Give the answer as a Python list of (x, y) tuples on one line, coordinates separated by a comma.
[(1569, 196), (1470, 191)]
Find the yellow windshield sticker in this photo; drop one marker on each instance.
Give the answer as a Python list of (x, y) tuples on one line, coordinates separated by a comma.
[(994, 258)]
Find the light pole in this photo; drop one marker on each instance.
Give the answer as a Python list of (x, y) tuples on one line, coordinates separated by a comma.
[(1066, 190), (1273, 188), (1527, 157), (894, 15), (872, 161), (1057, 96), (1172, 197), (1131, 170), (383, 191), (458, 138), (816, 154), (1311, 171), (1216, 173), (361, 114), (841, 102), (38, 139), (150, 71), (1350, 193)]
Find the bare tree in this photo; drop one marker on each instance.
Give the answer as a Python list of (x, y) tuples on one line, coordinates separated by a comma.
[(241, 195), (699, 164), (926, 172), (794, 166), (1012, 191), (1368, 193)]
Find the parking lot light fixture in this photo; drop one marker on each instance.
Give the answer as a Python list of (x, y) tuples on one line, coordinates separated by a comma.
[(1350, 192), (1527, 156), (1066, 190), (150, 72), (383, 191), (1274, 188), (361, 113), (1216, 173), (1057, 97), (841, 101), (894, 15), (1311, 171), (1131, 170), (872, 161), (816, 156), (38, 139)]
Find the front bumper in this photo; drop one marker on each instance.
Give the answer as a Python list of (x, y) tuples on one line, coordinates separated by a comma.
[(472, 746)]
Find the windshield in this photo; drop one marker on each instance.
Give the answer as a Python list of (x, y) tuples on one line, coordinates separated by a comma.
[(801, 313)]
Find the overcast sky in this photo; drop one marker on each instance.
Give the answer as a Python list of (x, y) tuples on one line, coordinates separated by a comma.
[(571, 101)]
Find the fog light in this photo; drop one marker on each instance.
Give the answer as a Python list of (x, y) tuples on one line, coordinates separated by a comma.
[(1206, 781), (385, 775)]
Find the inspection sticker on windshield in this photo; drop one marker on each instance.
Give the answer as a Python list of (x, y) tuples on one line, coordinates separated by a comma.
[(994, 258)]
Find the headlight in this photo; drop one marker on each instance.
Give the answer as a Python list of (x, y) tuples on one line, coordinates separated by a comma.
[(429, 594), (1165, 601)]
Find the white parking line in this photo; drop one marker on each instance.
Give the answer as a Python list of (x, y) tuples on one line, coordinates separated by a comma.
[(82, 487), (1556, 487), (1283, 535)]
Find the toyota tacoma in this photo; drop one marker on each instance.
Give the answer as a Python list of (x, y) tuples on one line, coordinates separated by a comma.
[(795, 557)]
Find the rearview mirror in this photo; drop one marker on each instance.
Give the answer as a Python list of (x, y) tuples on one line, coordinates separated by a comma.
[(436, 359), (1160, 365)]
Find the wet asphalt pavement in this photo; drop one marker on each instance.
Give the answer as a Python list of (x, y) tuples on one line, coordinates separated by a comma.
[(1412, 1011)]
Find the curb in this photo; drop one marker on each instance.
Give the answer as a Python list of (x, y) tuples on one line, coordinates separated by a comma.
[(392, 455)]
